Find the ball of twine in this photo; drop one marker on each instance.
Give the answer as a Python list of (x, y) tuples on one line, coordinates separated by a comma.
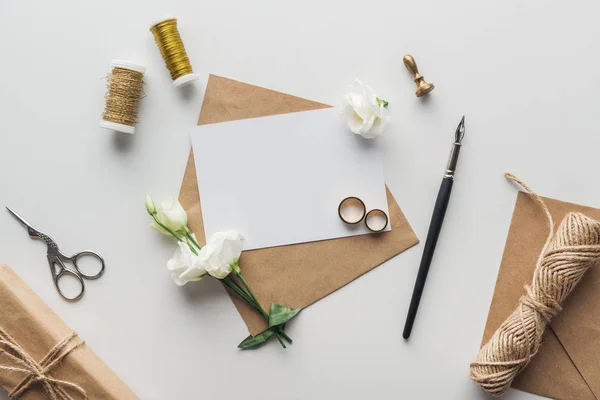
[(566, 256)]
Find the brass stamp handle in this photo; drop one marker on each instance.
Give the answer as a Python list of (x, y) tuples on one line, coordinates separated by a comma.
[(411, 65), (423, 87)]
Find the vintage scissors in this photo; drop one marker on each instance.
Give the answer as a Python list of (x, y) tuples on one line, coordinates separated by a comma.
[(57, 260)]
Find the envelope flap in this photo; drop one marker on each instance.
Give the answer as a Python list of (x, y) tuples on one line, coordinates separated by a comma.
[(229, 100)]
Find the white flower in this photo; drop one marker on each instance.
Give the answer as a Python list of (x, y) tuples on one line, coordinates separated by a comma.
[(172, 215), (221, 251), (364, 111), (185, 266)]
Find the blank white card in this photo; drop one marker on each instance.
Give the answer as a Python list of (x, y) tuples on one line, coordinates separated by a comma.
[(278, 180)]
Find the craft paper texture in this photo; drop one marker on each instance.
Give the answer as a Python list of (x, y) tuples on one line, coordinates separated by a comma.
[(25, 317), (293, 170), (567, 365), (295, 275)]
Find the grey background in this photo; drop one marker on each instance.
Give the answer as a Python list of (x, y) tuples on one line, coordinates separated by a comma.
[(525, 74)]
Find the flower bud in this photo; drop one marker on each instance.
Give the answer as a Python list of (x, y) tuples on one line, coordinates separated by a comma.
[(150, 206)]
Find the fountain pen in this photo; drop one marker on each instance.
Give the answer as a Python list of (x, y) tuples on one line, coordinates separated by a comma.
[(439, 211)]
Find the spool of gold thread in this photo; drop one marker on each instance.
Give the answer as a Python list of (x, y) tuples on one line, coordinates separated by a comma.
[(173, 51), (125, 87)]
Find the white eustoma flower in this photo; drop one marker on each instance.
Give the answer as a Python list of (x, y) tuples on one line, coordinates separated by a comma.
[(221, 251), (185, 266), (364, 112), (172, 215)]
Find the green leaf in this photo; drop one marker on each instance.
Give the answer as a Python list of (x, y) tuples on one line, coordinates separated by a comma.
[(281, 314), (253, 342)]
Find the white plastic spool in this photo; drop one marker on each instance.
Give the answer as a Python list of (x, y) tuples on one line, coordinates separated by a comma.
[(185, 79), (113, 125)]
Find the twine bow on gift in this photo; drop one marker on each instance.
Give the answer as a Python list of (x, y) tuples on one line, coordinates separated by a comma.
[(22, 362), (566, 256)]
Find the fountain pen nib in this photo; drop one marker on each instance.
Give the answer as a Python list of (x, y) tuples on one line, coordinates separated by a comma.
[(460, 131)]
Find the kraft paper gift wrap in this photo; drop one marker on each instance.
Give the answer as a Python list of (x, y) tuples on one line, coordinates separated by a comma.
[(25, 317), (567, 365), (295, 275)]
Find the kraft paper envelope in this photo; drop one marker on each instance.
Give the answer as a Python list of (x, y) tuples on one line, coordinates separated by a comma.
[(567, 365), (295, 275)]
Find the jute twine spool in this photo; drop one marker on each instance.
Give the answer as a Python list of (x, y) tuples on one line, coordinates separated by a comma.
[(125, 88), (566, 256)]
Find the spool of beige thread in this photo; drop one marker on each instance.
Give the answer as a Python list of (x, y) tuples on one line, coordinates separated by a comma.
[(125, 87)]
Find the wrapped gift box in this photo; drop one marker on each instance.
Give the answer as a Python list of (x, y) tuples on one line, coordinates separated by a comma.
[(36, 329)]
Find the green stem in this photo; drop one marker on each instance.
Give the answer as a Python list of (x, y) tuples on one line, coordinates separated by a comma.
[(285, 336), (237, 290), (230, 283), (246, 296), (172, 233), (280, 341), (241, 289), (233, 285), (262, 311), (166, 228), (190, 237), (191, 246), (239, 275)]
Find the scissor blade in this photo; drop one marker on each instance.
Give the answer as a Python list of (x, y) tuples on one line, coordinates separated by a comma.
[(20, 219)]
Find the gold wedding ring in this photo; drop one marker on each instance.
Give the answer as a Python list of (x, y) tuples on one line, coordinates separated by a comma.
[(352, 210), (376, 220)]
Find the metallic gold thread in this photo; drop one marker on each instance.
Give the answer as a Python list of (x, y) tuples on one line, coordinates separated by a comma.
[(171, 48), (125, 89)]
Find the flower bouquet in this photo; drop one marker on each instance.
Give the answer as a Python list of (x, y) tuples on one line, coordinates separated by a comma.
[(218, 259)]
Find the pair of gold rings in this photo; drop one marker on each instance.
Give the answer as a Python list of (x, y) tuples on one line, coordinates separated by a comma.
[(352, 210)]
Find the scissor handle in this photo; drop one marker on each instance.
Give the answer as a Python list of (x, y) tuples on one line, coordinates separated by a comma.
[(60, 272), (82, 254)]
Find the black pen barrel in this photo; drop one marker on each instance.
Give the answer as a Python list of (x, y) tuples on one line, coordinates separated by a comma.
[(437, 219)]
